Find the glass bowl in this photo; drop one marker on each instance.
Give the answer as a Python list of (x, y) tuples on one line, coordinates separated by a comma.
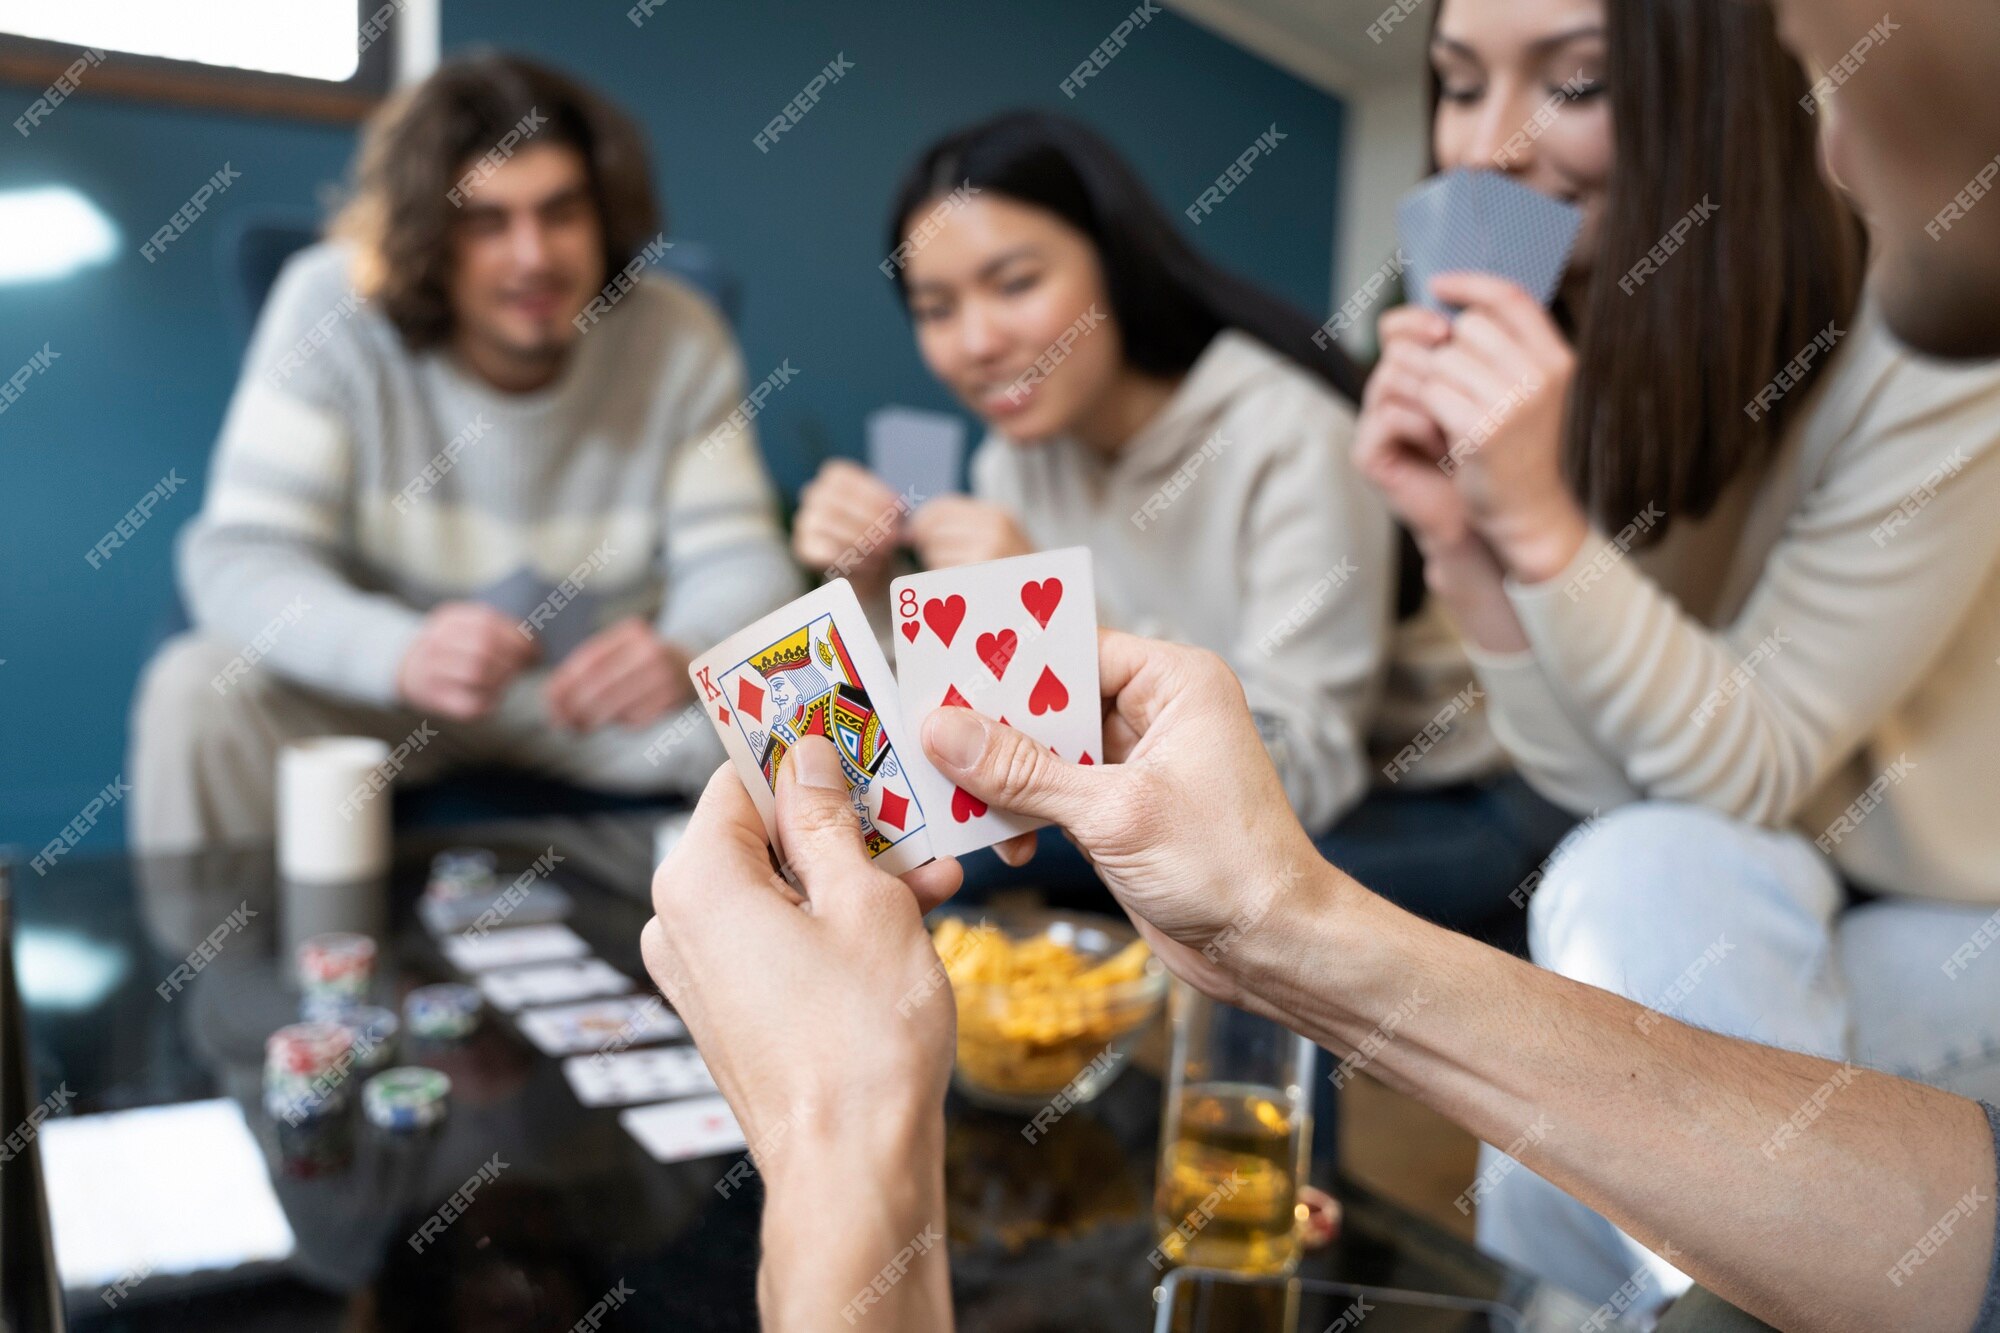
[(1067, 1026)]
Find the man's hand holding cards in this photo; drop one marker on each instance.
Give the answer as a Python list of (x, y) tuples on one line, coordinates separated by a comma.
[(1016, 639)]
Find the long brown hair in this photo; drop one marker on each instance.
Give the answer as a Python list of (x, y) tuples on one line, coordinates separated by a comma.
[(1705, 108), (418, 148)]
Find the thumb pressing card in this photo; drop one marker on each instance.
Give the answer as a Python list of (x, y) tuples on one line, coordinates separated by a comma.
[(813, 668)]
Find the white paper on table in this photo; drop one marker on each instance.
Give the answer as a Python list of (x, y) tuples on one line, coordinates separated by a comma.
[(163, 1189)]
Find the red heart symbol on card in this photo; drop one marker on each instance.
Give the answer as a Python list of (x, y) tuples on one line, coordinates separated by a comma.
[(944, 617), (953, 699), (997, 650), (1041, 599), (1048, 696), (964, 805), (911, 629)]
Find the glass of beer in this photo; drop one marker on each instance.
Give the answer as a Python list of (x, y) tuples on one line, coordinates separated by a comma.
[(1233, 1140)]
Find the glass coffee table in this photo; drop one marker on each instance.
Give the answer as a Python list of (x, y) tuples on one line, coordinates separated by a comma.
[(557, 1217)]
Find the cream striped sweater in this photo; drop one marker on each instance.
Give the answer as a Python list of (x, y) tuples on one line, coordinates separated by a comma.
[(375, 483)]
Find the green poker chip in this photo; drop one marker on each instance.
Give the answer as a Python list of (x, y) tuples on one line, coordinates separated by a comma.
[(408, 1097)]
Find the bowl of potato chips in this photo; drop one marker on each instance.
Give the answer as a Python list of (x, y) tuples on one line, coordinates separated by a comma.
[(1049, 1003)]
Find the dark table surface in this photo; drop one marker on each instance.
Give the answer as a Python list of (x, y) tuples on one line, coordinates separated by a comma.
[(1051, 1235)]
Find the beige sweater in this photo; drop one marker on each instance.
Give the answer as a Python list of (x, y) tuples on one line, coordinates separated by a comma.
[(1235, 521), (1822, 652)]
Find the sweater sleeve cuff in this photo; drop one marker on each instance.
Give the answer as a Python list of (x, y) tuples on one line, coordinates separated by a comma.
[(378, 639), (1563, 614)]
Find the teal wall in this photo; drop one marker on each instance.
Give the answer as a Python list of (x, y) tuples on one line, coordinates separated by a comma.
[(148, 351)]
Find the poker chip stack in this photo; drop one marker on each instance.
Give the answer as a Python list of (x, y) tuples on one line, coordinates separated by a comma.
[(443, 1012), (305, 1071), (322, 1146), (407, 1098), (461, 871), (335, 972), (374, 1029)]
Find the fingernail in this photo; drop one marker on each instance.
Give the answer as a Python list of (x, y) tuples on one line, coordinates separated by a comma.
[(815, 764), (957, 736)]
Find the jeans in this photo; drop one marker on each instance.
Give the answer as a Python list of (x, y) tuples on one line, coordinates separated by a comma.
[(203, 757), (1454, 855), (1749, 932)]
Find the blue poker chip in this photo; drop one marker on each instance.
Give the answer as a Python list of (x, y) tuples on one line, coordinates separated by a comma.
[(444, 1012)]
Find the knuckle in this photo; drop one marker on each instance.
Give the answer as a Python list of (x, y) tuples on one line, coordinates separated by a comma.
[(1206, 664), (826, 817), (1017, 768)]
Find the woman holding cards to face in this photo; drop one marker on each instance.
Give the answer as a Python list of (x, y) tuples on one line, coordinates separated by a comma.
[(1725, 554), (1193, 432)]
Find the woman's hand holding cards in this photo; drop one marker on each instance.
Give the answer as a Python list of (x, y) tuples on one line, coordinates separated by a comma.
[(1499, 389), (828, 1028), (1187, 824), (1397, 444), (955, 530), (850, 522)]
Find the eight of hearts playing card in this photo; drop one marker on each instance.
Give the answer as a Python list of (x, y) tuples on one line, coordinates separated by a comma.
[(813, 669), (1015, 639)]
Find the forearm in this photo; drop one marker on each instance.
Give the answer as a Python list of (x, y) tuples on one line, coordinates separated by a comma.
[(285, 607), (1552, 749), (1471, 585), (1786, 1184), (854, 1233)]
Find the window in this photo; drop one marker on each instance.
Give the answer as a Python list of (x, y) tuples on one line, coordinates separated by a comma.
[(328, 59)]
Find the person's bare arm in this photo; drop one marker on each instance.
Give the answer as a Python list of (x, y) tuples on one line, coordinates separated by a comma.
[(1789, 1185), (829, 1031), (854, 1226)]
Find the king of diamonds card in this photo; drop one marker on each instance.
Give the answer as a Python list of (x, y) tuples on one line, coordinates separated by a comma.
[(797, 673)]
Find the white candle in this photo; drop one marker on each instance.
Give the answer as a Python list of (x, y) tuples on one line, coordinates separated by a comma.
[(333, 809)]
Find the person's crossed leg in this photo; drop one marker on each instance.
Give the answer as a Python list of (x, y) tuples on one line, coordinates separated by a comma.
[(205, 745)]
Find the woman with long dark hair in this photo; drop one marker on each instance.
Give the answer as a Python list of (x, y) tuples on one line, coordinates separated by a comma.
[(1187, 427), (1724, 553), (1141, 401)]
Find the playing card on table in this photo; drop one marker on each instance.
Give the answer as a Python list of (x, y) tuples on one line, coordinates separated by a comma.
[(513, 947), (637, 1076), (677, 1131), (1484, 222), (1015, 639), (814, 668), (569, 1029), (552, 983)]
